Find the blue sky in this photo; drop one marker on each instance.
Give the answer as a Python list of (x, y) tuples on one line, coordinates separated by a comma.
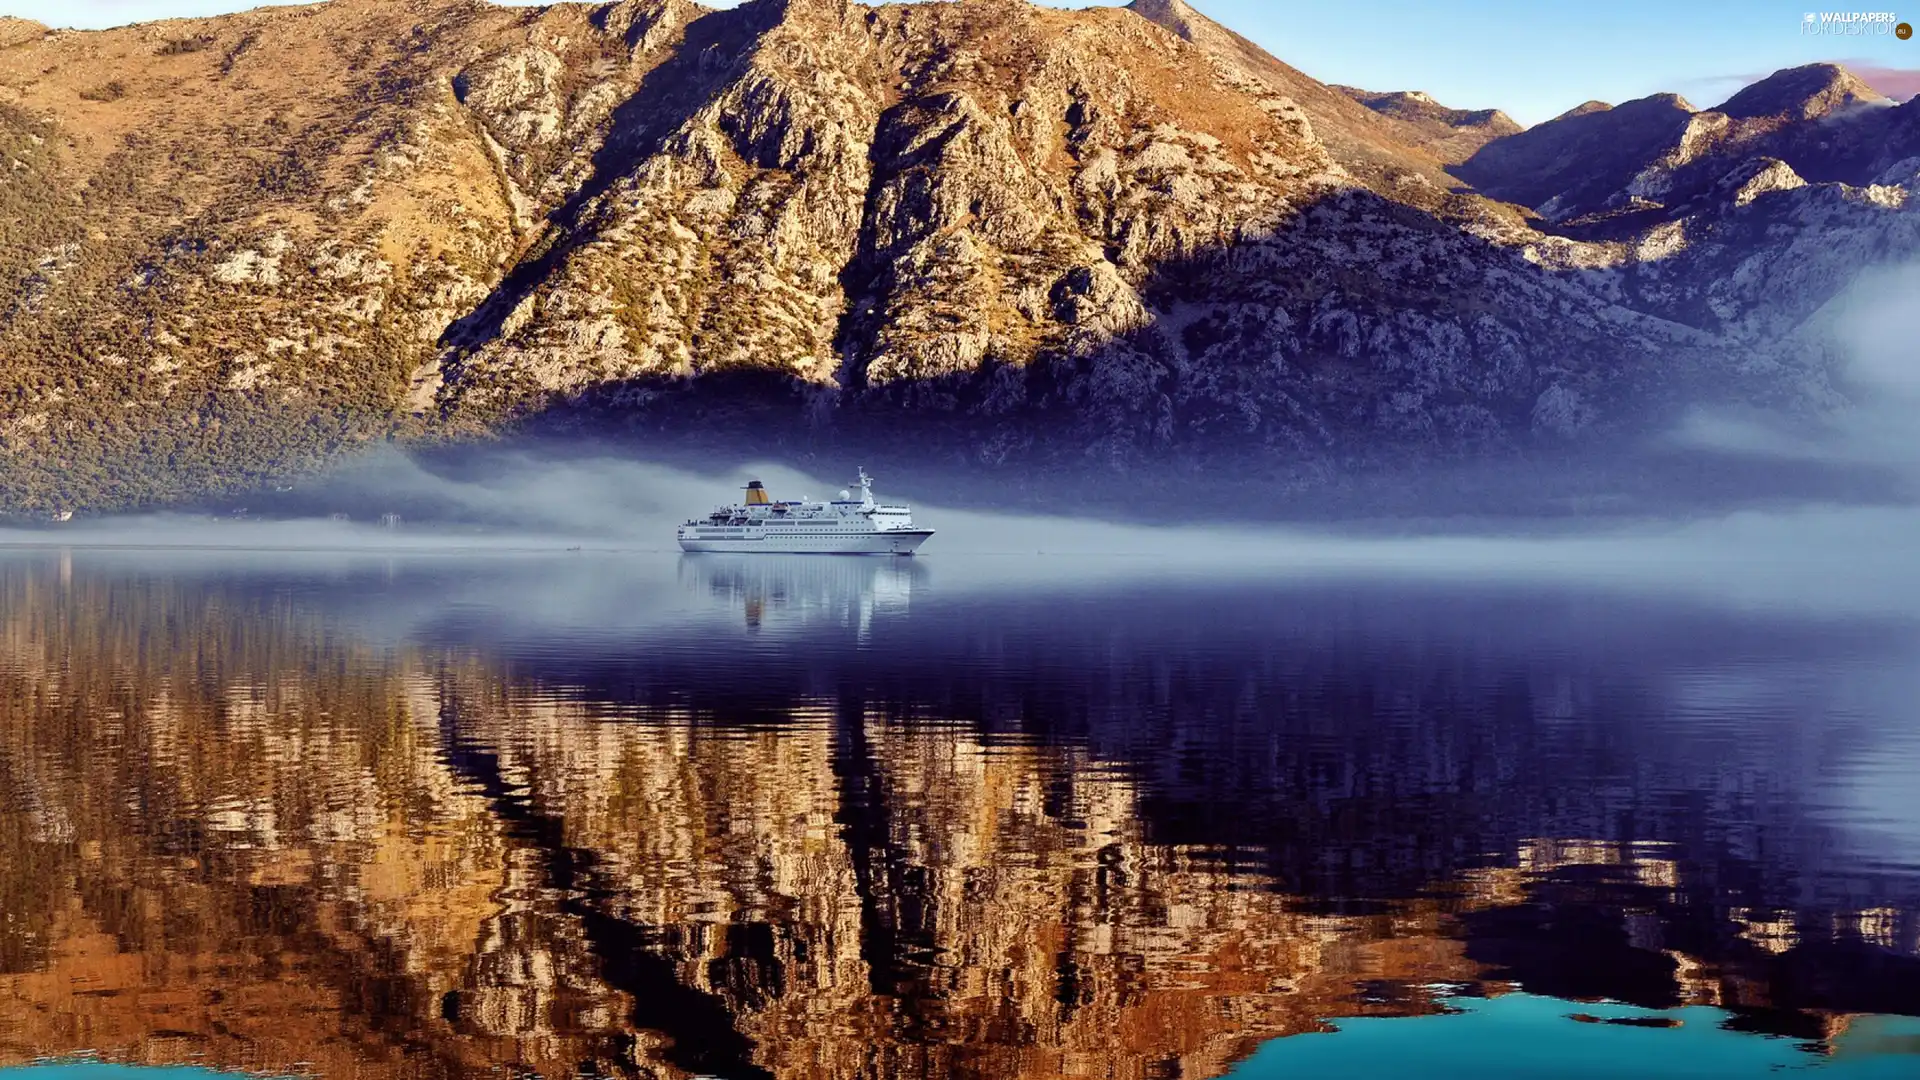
[(1534, 59)]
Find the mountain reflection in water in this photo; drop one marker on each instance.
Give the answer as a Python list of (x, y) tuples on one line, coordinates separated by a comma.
[(875, 818)]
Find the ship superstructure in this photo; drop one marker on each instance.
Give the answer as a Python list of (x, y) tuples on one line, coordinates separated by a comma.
[(853, 524)]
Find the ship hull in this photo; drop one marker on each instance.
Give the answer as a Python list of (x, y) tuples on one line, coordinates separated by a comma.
[(779, 542)]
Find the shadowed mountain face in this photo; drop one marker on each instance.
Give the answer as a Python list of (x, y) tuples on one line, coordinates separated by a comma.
[(998, 232), (848, 818), (1579, 158)]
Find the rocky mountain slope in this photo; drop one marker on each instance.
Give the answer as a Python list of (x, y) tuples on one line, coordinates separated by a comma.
[(234, 248)]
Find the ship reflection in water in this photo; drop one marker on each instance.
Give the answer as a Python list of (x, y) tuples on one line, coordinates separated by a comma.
[(806, 592), (766, 818)]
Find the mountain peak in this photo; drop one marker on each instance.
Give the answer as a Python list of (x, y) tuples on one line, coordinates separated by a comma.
[(1801, 93), (1662, 105), (1180, 18), (1175, 15), (1583, 109)]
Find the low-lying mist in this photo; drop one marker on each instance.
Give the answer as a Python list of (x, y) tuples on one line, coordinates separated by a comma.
[(1872, 325), (1820, 556)]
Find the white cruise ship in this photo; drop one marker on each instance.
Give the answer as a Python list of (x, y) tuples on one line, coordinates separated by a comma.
[(849, 525)]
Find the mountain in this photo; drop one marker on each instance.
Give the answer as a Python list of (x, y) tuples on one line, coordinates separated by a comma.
[(1579, 161), (236, 248), (1451, 135), (1656, 153)]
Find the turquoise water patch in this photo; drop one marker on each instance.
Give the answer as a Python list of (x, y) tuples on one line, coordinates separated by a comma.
[(1523, 1036)]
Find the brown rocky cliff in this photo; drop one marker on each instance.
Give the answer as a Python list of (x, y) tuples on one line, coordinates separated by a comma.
[(930, 172), (992, 209)]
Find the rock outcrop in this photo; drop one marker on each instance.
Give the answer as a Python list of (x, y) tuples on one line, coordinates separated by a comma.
[(15, 31)]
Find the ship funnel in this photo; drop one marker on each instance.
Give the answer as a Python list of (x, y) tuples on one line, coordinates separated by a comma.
[(756, 493)]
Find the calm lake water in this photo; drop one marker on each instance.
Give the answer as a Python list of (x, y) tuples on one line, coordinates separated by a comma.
[(650, 815)]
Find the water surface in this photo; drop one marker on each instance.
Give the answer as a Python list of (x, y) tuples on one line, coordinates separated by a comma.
[(662, 816)]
